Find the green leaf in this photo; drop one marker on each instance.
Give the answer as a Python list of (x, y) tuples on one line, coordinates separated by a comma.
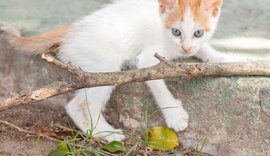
[(56, 153), (62, 146), (114, 147), (162, 138), (61, 150)]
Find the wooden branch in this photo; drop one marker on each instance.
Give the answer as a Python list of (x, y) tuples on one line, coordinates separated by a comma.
[(165, 69)]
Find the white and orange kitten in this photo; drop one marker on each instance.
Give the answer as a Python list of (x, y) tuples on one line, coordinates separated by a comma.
[(126, 30)]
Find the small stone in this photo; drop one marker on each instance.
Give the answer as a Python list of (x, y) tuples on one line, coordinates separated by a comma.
[(130, 122), (193, 143)]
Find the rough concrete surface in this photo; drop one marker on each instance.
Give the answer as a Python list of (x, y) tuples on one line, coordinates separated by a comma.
[(233, 113)]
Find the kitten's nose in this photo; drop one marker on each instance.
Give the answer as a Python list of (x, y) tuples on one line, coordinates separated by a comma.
[(186, 50)]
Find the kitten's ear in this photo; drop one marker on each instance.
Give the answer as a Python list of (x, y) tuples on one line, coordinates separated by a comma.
[(212, 6), (167, 5)]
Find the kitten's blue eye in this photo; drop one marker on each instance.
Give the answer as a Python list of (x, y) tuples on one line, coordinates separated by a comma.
[(176, 32), (199, 33)]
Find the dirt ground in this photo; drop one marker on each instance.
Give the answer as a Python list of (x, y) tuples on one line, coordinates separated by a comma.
[(240, 19), (30, 118)]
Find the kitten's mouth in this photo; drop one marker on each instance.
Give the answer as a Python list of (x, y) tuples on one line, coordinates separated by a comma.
[(188, 54), (184, 54)]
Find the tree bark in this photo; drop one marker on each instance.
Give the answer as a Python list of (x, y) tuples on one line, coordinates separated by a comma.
[(163, 70)]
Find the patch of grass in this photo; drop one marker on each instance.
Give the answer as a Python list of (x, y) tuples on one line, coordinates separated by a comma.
[(38, 145), (200, 146), (85, 144)]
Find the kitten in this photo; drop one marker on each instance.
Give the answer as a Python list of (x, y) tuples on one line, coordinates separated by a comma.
[(122, 31)]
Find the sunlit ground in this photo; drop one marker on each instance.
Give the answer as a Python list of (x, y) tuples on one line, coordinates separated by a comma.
[(252, 48), (244, 43)]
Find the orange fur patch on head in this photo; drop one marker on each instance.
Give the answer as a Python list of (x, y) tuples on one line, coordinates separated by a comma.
[(171, 19), (166, 5), (212, 6), (199, 9), (198, 12)]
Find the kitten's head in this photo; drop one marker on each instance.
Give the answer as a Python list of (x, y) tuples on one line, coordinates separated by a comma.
[(190, 23)]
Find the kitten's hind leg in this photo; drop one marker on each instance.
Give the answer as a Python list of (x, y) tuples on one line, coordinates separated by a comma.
[(86, 112)]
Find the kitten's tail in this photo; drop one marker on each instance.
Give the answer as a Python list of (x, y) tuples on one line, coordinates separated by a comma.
[(43, 43)]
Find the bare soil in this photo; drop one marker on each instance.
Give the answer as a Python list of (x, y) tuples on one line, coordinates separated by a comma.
[(30, 118)]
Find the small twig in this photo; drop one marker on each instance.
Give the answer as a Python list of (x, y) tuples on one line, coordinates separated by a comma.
[(69, 67), (16, 127), (163, 59), (69, 129), (63, 127), (26, 131)]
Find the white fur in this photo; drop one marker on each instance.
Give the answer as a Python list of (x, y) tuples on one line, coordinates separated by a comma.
[(122, 31)]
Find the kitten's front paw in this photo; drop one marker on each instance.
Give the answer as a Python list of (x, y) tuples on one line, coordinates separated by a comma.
[(116, 135), (176, 118), (107, 132)]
